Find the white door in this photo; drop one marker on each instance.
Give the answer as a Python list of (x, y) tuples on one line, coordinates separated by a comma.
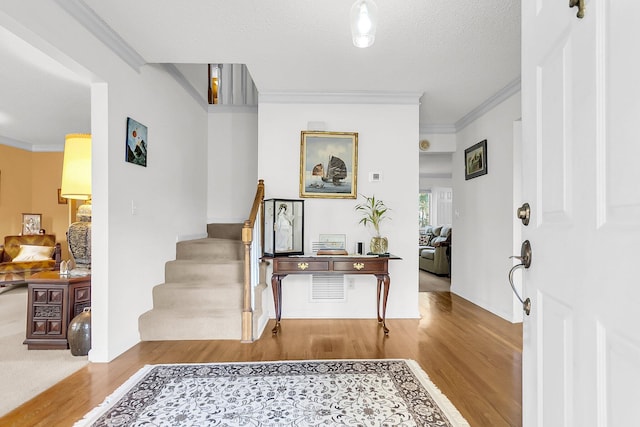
[(581, 176)]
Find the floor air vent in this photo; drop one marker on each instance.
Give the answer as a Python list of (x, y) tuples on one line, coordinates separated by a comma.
[(327, 288)]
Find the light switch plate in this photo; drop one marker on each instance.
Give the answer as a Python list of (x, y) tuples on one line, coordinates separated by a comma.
[(375, 176)]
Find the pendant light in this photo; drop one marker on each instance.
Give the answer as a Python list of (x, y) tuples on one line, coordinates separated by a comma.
[(364, 19)]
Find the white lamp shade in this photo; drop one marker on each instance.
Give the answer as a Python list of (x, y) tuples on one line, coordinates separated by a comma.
[(76, 167), (364, 20)]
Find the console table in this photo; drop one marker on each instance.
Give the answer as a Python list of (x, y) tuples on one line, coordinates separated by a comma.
[(377, 266), (53, 301)]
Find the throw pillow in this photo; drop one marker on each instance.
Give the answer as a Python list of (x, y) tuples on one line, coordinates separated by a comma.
[(424, 240), (438, 240), (34, 253)]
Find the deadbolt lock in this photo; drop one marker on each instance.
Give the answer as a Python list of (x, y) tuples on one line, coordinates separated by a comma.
[(524, 213)]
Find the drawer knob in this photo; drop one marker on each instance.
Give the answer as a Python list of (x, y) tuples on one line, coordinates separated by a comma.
[(358, 266), (303, 265)]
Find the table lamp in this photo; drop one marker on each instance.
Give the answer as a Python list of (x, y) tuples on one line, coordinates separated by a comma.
[(76, 184)]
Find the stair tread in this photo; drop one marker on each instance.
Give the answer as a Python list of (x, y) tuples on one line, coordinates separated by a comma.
[(207, 261), (190, 312), (200, 284)]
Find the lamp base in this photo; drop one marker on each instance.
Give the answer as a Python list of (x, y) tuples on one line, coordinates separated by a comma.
[(79, 239)]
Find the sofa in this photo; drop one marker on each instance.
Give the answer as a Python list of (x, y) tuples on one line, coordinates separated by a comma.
[(434, 254), (21, 256)]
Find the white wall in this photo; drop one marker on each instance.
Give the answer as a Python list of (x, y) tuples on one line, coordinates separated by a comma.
[(427, 183), (129, 249), (198, 76), (439, 142), (483, 232), (436, 163), (232, 162), (384, 145)]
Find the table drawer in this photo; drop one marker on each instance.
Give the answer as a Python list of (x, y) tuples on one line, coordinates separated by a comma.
[(360, 266), (82, 294), (299, 266)]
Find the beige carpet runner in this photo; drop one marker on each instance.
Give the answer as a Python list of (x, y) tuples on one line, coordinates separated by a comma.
[(291, 393)]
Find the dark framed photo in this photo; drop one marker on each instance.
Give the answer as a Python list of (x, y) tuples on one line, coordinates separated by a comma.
[(475, 160), (328, 164), (136, 143)]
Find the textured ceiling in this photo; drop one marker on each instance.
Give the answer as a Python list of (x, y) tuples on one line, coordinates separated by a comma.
[(41, 100), (457, 53)]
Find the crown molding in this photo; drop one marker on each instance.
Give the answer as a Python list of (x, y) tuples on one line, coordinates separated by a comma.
[(406, 98), (504, 93), (36, 148), (48, 148), (87, 17), (15, 143), (174, 72), (230, 108), (440, 129)]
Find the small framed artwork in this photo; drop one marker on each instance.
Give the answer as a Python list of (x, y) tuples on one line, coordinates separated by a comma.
[(62, 200), (475, 160), (328, 164), (136, 143), (332, 244), (31, 223)]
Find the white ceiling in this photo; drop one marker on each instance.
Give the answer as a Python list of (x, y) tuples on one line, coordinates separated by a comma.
[(457, 53), (41, 101)]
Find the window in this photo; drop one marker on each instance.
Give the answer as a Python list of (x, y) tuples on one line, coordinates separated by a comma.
[(424, 209)]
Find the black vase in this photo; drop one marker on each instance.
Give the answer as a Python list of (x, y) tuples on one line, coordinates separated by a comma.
[(79, 333)]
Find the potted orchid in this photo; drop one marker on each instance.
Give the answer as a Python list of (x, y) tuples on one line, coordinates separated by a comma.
[(374, 211)]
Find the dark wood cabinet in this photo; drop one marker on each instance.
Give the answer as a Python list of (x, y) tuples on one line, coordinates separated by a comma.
[(54, 300)]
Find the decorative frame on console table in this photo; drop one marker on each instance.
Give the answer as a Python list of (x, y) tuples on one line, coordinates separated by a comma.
[(328, 164)]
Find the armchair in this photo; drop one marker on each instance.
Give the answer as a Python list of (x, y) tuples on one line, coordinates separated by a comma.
[(21, 256), (434, 257)]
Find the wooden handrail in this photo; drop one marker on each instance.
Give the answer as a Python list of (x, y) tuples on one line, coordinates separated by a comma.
[(257, 201), (247, 239)]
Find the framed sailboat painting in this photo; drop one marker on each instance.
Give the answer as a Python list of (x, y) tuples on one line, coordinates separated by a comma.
[(328, 164)]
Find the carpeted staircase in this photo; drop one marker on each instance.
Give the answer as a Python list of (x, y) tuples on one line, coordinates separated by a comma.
[(201, 298)]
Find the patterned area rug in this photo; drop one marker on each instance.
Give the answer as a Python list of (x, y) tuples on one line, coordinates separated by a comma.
[(291, 393)]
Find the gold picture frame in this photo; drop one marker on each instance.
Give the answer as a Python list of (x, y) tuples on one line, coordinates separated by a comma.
[(62, 200), (328, 164)]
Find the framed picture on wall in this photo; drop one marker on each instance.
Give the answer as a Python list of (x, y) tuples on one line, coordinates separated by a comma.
[(328, 164), (62, 200), (31, 223), (136, 143), (475, 160)]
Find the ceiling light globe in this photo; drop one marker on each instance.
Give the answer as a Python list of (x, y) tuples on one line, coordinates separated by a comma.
[(364, 19)]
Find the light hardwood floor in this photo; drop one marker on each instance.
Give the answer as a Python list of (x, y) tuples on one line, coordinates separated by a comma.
[(474, 357)]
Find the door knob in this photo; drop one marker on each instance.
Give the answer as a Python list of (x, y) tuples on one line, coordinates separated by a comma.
[(525, 258), (525, 254), (524, 213)]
